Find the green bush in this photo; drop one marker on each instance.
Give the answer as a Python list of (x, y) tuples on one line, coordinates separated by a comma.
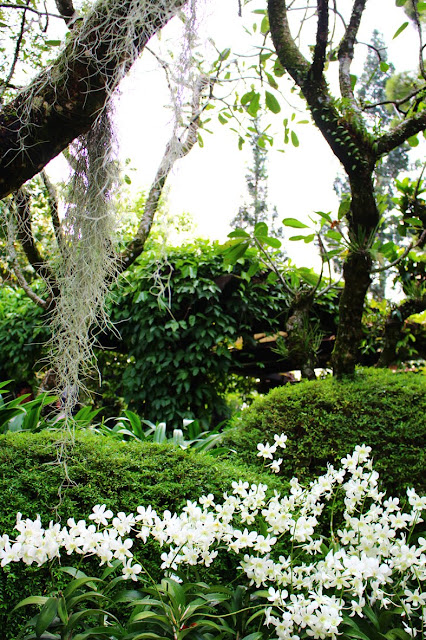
[(121, 475), (325, 419)]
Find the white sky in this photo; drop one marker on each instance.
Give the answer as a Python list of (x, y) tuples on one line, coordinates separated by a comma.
[(210, 182)]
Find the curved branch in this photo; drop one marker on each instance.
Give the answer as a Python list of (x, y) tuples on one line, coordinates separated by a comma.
[(400, 134), (346, 51), (65, 99), (176, 149), (412, 245)]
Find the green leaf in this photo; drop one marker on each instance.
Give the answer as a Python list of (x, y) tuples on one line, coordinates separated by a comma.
[(31, 600), (400, 3), (254, 105), (264, 27), (46, 616), (400, 30), (384, 66), (309, 238), (271, 80), (272, 103), (353, 80), (413, 141), (127, 180), (238, 233), (271, 242), (261, 229), (344, 207), (53, 43), (294, 139), (225, 54), (296, 238), (293, 222)]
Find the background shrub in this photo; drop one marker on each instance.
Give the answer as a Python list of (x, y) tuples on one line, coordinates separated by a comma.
[(326, 419), (121, 475)]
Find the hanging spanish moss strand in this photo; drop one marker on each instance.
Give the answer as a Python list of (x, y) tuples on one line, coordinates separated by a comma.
[(88, 261)]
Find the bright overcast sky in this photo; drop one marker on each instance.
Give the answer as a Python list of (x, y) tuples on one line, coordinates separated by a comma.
[(210, 182)]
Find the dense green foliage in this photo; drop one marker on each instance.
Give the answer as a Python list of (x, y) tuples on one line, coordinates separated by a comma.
[(22, 334), (179, 316), (326, 419), (102, 471)]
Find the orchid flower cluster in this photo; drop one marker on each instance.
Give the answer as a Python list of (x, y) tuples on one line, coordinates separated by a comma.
[(369, 561)]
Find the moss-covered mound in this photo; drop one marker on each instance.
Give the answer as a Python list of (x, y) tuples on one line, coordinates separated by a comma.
[(121, 475), (326, 419)]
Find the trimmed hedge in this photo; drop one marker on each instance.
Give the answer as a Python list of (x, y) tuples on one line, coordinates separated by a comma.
[(326, 419), (121, 475)]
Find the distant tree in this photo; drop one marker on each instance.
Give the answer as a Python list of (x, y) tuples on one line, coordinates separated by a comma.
[(257, 209)]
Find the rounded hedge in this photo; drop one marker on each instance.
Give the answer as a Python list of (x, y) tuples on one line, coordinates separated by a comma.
[(121, 475), (325, 419)]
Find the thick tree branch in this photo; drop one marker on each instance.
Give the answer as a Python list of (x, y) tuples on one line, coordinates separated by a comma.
[(64, 100), (395, 137), (318, 62), (67, 11), (346, 51)]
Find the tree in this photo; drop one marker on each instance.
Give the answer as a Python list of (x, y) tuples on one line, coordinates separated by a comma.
[(342, 122), (257, 210), (68, 102), (373, 93)]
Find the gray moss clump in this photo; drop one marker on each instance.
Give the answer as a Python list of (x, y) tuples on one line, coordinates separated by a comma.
[(325, 419), (103, 471)]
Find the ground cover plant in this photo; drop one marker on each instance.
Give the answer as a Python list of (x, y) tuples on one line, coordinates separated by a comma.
[(362, 581), (326, 418), (100, 470)]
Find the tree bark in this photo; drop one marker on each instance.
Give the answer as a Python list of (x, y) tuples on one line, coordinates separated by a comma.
[(64, 100)]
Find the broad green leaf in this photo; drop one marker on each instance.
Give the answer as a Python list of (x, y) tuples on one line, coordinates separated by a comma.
[(400, 3), (272, 103), (293, 222), (309, 238), (46, 616), (271, 80), (271, 242), (294, 139), (261, 229), (225, 54), (334, 235), (254, 105), (31, 600), (400, 30), (264, 27), (278, 68), (53, 43), (238, 233), (344, 207), (413, 141), (353, 80), (384, 66)]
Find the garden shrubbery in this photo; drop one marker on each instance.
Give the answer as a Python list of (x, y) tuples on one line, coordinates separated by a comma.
[(102, 471), (326, 419)]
